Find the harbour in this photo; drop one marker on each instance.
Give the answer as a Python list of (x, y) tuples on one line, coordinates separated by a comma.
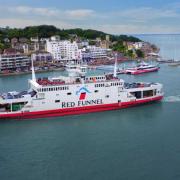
[(138, 140), (135, 142)]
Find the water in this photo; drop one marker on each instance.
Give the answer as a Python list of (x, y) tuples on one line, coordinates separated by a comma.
[(135, 143), (169, 44)]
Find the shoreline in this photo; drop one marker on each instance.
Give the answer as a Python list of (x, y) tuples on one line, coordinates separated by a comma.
[(29, 72), (90, 65)]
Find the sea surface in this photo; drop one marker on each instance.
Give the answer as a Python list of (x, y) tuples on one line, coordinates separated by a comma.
[(140, 143), (169, 44)]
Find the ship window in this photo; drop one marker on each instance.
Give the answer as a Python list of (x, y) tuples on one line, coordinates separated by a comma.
[(107, 96), (69, 93), (96, 91), (137, 94), (57, 101), (147, 93)]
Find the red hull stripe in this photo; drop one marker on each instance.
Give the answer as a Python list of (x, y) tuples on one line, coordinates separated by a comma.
[(77, 110), (144, 71)]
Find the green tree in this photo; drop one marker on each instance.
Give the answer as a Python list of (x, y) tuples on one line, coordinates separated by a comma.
[(120, 47), (139, 53), (130, 53)]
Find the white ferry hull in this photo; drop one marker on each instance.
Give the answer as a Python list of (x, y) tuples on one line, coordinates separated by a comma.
[(77, 110)]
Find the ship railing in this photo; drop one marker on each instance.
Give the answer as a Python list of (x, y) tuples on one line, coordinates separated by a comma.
[(137, 85), (22, 94), (46, 83)]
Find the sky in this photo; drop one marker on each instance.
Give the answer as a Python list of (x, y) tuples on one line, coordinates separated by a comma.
[(110, 16)]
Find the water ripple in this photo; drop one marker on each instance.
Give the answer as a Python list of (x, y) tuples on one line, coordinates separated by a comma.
[(172, 98)]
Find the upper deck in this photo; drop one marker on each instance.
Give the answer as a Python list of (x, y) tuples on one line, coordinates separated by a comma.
[(59, 81)]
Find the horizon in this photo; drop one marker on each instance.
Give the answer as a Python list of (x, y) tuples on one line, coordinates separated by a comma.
[(115, 17), (134, 34)]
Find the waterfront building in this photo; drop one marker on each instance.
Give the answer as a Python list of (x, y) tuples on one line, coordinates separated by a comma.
[(53, 47), (32, 47), (23, 40), (82, 43), (62, 50), (42, 57), (34, 39), (14, 62), (55, 38), (14, 41), (105, 44), (93, 53), (44, 39)]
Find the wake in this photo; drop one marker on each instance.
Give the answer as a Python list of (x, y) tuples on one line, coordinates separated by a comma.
[(172, 99)]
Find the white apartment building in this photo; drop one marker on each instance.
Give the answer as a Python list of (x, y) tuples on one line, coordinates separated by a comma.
[(54, 47), (93, 52), (62, 50)]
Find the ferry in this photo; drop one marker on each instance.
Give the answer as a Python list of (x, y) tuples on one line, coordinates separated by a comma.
[(75, 94), (142, 68)]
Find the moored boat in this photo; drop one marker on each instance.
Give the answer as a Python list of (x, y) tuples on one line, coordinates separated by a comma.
[(142, 68)]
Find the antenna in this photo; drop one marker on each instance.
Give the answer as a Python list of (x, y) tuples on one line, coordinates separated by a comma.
[(115, 66), (33, 72)]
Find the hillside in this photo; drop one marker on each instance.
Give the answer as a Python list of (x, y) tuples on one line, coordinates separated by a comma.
[(48, 30)]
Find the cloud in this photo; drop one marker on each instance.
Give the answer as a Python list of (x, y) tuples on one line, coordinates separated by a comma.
[(144, 14), (137, 29), (23, 22), (25, 10), (80, 13), (139, 20), (52, 12)]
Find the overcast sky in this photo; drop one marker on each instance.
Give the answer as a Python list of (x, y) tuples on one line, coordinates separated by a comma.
[(111, 16)]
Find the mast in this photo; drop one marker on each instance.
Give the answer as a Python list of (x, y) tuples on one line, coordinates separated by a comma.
[(115, 66), (33, 71)]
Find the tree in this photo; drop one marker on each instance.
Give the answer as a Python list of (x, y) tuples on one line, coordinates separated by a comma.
[(120, 47), (140, 53), (130, 53)]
